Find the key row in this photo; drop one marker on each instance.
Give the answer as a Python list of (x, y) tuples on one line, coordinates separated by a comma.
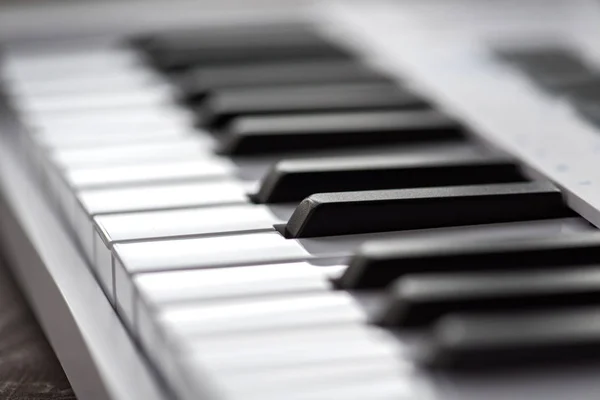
[(315, 203), (165, 245)]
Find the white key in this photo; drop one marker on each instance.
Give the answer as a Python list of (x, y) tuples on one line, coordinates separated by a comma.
[(385, 388), (102, 60), (110, 137), (326, 374), (238, 316), (189, 147), (147, 117), (208, 252), (160, 172), (288, 348), (67, 184), (314, 346), (146, 97), (111, 229), (160, 291), (188, 222), (131, 80), (147, 198)]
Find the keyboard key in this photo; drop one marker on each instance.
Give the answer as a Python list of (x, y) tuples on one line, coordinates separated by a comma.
[(328, 375), (222, 106), (68, 85), (584, 91), (289, 133), (68, 140), (92, 60), (236, 45), (155, 225), (198, 253), (140, 174), (327, 214), (187, 222), (147, 198), (516, 340), (118, 200), (197, 83), (420, 299), (547, 63), (156, 117), (378, 263), (285, 348), (208, 252), (162, 290), (183, 148), (293, 180), (590, 112), (253, 315), (234, 355), (568, 84), (73, 103)]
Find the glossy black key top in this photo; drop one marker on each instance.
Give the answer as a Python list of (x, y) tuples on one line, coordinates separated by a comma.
[(515, 340), (421, 298), (584, 92), (222, 106), (589, 111), (328, 214), (547, 63), (293, 180), (234, 45), (291, 133), (378, 263), (196, 83)]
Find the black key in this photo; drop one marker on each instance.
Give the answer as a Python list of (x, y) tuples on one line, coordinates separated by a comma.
[(234, 45), (221, 107), (197, 83), (291, 133), (515, 340), (589, 111), (545, 64), (583, 92), (376, 264), (328, 214), (293, 180), (420, 299), (566, 85)]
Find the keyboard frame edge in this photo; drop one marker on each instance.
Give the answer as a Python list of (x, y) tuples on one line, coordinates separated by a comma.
[(61, 289)]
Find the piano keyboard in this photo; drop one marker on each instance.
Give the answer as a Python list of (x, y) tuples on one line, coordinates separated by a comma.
[(273, 217)]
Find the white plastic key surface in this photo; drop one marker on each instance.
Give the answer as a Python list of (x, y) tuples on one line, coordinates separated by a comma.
[(186, 222), (285, 348), (171, 288), (238, 316), (161, 291), (153, 117), (126, 80), (209, 252), (73, 103), (188, 147), (158, 172), (104, 201)]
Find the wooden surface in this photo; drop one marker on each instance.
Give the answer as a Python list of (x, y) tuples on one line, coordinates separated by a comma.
[(29, 369)]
